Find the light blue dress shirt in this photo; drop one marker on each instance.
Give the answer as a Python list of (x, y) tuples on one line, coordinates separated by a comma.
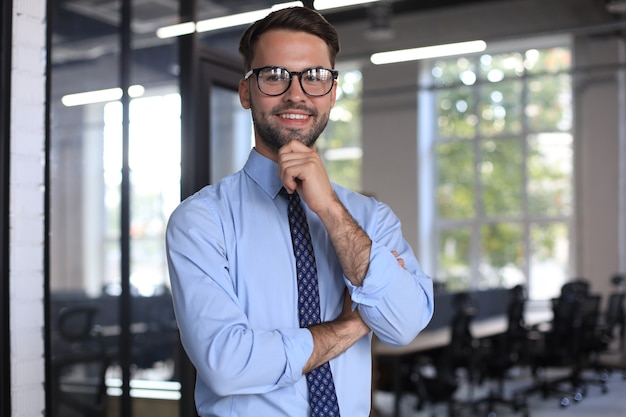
[(232, 271)]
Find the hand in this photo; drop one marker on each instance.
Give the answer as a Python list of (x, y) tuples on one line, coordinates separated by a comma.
[(348, 314), (301, 169)]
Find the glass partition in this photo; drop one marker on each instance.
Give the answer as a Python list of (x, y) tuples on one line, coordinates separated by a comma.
[(106, 240), (86, 205)]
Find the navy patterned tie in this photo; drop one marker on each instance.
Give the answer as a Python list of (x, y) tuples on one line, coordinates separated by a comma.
[(322, 396)]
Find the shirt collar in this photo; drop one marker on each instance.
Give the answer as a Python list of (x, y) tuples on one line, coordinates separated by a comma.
[(264, 172)]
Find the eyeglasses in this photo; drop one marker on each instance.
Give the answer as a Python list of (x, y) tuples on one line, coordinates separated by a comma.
[(274, 81)]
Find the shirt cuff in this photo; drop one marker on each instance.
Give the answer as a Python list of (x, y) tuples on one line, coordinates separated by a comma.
[(298, 349), (377, 278)]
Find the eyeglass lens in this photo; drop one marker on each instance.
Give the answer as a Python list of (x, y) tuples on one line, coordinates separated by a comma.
[(314, 81)]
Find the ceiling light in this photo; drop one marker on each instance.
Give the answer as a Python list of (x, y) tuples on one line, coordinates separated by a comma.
[(176, 30), (232, 20), (222, 22), (241, 18), (334, 4), (100, 96), (426, 52)]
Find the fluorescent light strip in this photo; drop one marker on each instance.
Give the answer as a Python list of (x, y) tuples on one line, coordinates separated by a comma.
[(176, 30), (231, 21), (162, 390), (100, 96), (335, 4), (221, 22), (241, 18), (426, 52)]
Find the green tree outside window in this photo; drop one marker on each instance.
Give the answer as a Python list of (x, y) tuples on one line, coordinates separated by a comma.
[(504, 169)]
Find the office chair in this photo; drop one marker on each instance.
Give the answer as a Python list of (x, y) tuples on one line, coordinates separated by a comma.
[(437, 380), (611, 325), (619, 317), (563, 346), (499, 354), (461, 351), (435, 383), (83, 361), (573, 290)]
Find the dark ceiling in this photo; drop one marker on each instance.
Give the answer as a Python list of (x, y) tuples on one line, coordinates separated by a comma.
[(80, 20), (88, 29)]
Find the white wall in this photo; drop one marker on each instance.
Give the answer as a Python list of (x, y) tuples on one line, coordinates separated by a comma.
[(389, 140), (27, 208), (599, 215)]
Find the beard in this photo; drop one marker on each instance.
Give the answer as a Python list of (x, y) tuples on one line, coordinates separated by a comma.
[(275, 136)]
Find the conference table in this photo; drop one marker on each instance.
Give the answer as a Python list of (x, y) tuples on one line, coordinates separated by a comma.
[(440, 337)]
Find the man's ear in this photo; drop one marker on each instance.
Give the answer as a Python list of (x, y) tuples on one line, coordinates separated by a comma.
[(244, 93)]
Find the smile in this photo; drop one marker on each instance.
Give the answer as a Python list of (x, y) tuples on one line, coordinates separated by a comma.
[(293, 116)]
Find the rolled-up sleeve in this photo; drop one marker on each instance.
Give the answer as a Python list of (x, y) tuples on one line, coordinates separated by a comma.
[(396, 302)]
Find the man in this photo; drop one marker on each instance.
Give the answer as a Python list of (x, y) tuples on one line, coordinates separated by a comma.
[(233, 267)]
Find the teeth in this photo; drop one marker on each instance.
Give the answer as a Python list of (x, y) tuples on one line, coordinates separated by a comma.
[(294, 116)]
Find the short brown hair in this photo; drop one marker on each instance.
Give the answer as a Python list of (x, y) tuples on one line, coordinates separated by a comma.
[(299, 19)]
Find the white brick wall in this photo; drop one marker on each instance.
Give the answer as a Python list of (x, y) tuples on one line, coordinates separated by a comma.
[(27, 208)]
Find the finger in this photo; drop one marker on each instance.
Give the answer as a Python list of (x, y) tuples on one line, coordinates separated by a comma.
[(301, 169), (296, 166), (399, 260), (347, 302), (293, 149)]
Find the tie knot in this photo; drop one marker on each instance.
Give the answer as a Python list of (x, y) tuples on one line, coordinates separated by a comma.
[(293, 198)]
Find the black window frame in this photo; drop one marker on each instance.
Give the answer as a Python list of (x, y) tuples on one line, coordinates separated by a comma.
[(6, 14)]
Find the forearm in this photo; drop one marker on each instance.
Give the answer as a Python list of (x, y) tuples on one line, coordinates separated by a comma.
[(352, 245), (331, 339)]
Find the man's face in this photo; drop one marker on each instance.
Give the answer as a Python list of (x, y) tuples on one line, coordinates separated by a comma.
[(294, 114)]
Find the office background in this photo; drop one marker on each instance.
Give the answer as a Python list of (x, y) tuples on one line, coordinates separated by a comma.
[(390, 146)]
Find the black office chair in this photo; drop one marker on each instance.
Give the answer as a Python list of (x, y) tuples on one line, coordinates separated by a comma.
[(499, 354), (576, 288), (517, 330), (610, 331), (462, 349), (564, 346), (435, 383), (437, 378), (80, 359)]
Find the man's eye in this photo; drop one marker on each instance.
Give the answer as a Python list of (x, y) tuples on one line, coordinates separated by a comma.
[(275, 76), (317, 75)]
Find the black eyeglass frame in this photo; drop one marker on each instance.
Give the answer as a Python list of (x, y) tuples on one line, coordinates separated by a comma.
[(256, 72)]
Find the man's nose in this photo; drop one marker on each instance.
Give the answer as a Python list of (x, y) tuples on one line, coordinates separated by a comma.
[(295, 91)]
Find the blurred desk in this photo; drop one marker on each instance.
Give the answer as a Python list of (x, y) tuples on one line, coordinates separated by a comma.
[(439, 338)]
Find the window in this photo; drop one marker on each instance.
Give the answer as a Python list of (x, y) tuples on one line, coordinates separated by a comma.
[(499, 135)]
